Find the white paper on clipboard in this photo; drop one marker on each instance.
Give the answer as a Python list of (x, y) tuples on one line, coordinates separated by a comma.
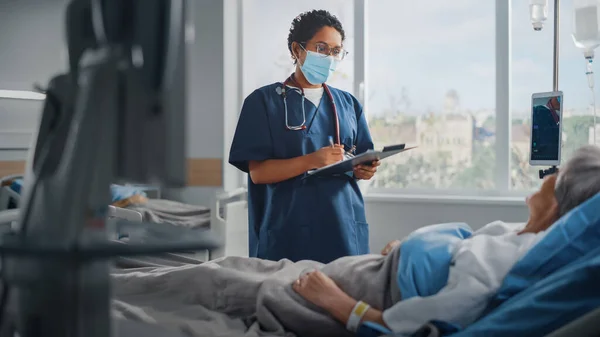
[(366, 157)]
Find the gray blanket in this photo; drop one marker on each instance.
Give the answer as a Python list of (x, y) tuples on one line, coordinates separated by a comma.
[(173, 212), (248, 297)]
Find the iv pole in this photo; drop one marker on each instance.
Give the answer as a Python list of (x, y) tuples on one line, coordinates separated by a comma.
[(556, 42), (554, 169)]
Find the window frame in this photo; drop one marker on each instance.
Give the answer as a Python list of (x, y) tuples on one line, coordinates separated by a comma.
[(503, 55), (233, 76), (503, 52)]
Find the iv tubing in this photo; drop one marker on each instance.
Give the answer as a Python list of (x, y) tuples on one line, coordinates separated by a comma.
[(590, 76)]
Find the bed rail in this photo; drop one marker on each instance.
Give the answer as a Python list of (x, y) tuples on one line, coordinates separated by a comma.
[(229, 220)]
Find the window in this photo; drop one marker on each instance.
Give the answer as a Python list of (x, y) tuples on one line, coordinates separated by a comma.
[(266, 25), (431, 83), (532, 65), (437, 75)]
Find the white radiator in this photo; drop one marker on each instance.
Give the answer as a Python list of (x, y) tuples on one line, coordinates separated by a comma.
[(229, 220)]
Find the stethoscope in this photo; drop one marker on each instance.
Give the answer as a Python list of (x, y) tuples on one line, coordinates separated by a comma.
[(300, 90)]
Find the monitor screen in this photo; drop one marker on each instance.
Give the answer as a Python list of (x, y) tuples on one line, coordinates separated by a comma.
[(545, 131)]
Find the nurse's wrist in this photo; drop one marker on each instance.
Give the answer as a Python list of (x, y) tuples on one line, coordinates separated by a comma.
[(310, 161)]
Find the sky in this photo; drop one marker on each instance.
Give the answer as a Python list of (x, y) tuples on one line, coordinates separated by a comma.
[(427, 47)]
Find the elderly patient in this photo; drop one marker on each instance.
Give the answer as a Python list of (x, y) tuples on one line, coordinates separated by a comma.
[(476, 270), (477, 263)]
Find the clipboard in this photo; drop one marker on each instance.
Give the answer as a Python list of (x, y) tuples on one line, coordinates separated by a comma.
[(369, 156)]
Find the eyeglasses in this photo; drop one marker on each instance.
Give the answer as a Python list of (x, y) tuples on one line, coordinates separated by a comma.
[(323, 49)]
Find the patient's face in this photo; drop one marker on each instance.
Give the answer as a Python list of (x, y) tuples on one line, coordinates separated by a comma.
[(543, 205)]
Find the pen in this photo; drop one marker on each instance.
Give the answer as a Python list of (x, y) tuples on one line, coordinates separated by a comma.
[(331, 141)]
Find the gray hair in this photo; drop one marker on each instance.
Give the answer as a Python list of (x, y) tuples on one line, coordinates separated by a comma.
[(579, 179)]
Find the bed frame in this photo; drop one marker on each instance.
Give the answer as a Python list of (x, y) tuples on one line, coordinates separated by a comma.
[(229, 220), (585, 326), (229, 216)]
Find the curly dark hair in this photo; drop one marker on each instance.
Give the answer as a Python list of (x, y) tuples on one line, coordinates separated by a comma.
[(307, 24)]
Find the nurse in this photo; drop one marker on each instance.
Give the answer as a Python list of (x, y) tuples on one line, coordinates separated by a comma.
[(291, 127)]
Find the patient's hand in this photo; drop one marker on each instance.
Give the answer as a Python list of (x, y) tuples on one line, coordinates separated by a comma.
[(322, 291), (543, 207), (389, 247), (318, 289), (541, 222)]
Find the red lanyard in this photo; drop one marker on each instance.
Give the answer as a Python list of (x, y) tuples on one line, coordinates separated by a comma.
[(329, 95)]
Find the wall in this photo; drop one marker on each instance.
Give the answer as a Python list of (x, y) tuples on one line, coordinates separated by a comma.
[(395, 217), (205, 93), (33, 50), (32, 42)]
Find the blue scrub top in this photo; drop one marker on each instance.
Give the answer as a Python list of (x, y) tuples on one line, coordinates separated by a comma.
[(319, 219)]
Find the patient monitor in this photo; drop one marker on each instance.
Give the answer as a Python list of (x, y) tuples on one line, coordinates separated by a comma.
[(118, 114), (546, 130)]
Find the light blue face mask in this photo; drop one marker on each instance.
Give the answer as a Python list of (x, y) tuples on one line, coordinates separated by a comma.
[(316, 68)]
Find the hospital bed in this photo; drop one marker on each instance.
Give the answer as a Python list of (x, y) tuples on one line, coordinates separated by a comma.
[(551, 291), (10, 199), (228, 220), (228, 216), (586, 326)]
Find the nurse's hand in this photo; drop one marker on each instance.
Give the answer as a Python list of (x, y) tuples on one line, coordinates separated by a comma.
[(365, 172), (327, 156), (318, 288)]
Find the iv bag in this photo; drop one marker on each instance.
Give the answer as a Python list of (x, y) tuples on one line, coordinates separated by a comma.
[(538, 12), (586, 25)]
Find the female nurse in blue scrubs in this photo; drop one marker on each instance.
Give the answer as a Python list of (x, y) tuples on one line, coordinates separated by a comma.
[(291, 127)]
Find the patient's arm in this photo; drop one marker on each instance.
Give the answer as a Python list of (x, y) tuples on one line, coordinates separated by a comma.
[(322, 291)]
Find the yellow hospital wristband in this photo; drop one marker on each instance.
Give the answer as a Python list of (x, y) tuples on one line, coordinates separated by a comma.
[(359, 311)]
